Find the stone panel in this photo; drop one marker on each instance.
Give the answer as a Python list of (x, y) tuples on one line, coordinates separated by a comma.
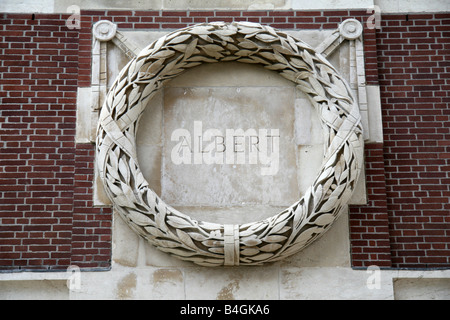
[(232, 183), (422, 289), (259, 283)]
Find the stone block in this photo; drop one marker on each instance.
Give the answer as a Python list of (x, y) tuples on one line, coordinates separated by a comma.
[(333, 283), (226, 109), (259, 283)]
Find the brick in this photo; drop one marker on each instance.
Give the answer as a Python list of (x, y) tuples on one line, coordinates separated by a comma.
[(147, 13), (301, 19), (120, 13), (173, 25), (305, 26), (308, 13), (201, 13), (283, 25), (173, 13), (228, 13), (254, 13), (335, 13), (281, 13), (145, 26)]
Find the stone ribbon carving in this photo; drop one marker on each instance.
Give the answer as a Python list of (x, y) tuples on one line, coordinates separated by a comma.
[(351, 30), (208, 243), (104, 31)]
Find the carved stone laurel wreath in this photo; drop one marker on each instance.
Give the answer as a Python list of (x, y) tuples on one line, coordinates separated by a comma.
[(213, 244)]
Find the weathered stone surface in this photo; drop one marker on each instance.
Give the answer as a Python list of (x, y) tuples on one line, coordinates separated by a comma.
[(232, 284), (224, 109), (422, 289), (335, 283)]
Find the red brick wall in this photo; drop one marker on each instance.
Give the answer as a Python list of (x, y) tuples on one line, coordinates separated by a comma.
[(47, 216), (369, 224), (168, 20), (45, 221), (414, 74)]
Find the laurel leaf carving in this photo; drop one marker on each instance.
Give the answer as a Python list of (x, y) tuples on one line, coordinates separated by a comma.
[(203, 242)]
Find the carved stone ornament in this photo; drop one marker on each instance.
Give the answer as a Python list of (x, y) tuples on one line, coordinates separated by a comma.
[(104, 30), (209, 243), (350, 29)]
